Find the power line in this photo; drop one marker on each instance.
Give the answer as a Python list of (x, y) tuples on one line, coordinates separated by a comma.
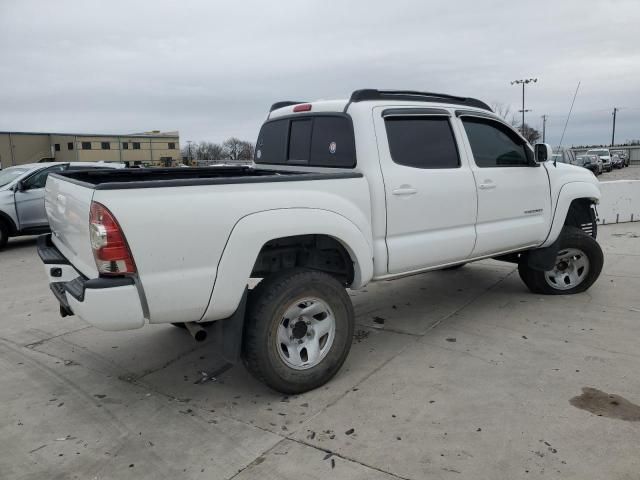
[(568, 116)]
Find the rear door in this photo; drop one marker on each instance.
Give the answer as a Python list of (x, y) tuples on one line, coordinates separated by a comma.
[(429, 188), (30, 201), (514, 198)]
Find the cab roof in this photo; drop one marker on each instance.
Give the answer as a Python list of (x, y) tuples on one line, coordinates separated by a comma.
[(378, 95)]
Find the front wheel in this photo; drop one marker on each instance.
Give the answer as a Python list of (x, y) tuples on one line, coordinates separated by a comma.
[(578, 265), (298, 330)]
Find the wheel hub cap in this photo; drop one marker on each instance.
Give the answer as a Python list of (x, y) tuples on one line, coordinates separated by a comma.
[(572, 267), (299, 330), (305, 333)]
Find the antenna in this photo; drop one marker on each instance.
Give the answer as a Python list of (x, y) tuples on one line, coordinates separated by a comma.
[(567, 122)]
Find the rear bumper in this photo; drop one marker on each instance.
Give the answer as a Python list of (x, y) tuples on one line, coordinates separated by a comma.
[(106, 303)]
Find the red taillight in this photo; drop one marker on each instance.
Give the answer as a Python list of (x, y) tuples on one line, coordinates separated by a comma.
[(303, 107), (110, 249)]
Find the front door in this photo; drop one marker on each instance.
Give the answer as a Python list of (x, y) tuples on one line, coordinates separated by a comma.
[(514, 198), (429, 189), (30, 201)]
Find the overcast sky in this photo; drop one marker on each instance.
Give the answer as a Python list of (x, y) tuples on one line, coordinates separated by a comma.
[(211, 69)]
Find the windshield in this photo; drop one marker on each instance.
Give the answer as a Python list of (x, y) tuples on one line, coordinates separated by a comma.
[(8, 175)]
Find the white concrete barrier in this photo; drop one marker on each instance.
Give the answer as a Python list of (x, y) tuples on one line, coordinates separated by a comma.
[(620, 201)]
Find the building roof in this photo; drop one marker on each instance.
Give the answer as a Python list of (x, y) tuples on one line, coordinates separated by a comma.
[(151, 134)]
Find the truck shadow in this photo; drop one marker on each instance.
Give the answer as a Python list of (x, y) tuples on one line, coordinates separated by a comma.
[(19, 243)]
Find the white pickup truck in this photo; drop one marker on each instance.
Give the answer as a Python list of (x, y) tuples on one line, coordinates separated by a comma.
[(378, 186)]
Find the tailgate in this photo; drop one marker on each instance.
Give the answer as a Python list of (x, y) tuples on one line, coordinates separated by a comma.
[(68, 206)]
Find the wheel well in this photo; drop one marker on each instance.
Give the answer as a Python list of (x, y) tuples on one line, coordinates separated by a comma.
[(6, 220), (317, 252), (582, 214)]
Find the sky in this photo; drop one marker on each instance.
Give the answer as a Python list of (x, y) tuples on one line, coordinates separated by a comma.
[(211, 69)]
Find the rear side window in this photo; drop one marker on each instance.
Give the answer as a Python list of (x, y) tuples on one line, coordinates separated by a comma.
[(311, 140), (422, 142), (494, 144)]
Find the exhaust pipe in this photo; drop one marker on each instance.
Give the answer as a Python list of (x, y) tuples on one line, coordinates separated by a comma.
[(197, 332)]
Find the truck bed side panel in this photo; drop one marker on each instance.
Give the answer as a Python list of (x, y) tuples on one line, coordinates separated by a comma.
[(177, 234)]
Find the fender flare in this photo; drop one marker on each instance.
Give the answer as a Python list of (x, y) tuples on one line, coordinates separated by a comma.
[(567, 194), (250, 234)]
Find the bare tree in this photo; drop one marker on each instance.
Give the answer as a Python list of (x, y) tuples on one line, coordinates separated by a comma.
[(210, 151), (236, 149), (505, 112), (531, 134)]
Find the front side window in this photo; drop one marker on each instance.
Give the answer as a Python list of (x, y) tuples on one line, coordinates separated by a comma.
[(494, 144), (422, 142), (39, 179)]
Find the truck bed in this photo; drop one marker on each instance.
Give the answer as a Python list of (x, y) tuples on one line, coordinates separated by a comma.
[(175, 177)]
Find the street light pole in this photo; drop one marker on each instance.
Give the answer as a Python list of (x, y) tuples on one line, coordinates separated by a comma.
[(613, 133), (523, 82)]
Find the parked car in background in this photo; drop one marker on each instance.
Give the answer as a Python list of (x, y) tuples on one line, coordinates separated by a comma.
[(616, 161), (604, 155), (564, 155), (622, 155), (590, 162), (22, 209)]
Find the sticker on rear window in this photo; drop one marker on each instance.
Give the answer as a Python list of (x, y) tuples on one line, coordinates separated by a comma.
[(332, 147)]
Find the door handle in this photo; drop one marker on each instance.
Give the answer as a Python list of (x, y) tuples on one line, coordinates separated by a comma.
[(487, 185), (404, 190)]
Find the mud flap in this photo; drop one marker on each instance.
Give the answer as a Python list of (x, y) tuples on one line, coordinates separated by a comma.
[(542, 258), (229, 332)]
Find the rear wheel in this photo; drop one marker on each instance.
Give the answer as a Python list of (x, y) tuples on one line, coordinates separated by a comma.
[(4, 234), (298, 330), (578, 265)]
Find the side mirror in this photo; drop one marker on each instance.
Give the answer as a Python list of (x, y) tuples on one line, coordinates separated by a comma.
[(19, 187), (543, 152)]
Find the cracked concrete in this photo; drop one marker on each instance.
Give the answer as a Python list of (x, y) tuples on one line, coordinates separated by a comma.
[(454, 374)]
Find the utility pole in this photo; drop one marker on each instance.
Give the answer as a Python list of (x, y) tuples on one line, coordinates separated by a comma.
[(523, 82), (189, 152), (613, 133), (544, 127)]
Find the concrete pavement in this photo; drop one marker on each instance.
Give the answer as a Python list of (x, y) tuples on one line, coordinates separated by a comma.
[(455, 374)]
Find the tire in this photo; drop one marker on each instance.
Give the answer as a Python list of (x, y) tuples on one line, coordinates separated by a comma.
[(576, 250), (455, 267), (4, 234), (288, 366)]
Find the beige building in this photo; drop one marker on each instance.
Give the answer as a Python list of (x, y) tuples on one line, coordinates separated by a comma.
[(153, 148)]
